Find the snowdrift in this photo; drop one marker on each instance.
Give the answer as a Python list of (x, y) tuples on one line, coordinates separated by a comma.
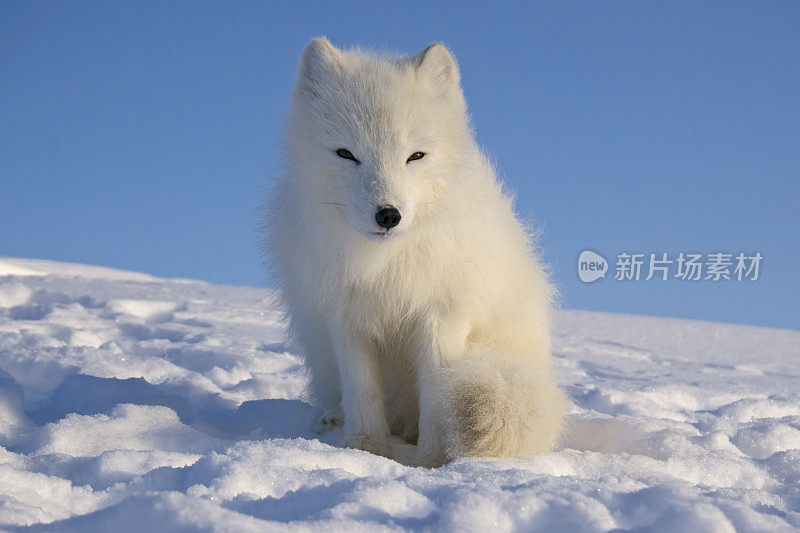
[(129, 402)]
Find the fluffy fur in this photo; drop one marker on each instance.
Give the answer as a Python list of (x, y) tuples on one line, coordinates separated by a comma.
[(436, 330)]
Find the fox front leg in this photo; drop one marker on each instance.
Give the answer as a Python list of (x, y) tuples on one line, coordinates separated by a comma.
[(365, 425), (438, 341)]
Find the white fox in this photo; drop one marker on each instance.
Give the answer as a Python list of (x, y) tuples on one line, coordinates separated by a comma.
[(411, 287)]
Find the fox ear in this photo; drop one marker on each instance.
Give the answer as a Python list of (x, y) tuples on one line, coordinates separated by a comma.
[(439, 67), (319, 57)]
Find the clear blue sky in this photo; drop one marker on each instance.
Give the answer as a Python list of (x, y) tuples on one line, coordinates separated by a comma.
[(139, 135)]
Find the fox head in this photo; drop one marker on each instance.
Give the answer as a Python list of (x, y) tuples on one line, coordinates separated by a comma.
[(376, 139)]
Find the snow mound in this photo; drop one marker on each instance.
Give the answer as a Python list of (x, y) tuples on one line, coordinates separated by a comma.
[(129, 402), (11, 267)]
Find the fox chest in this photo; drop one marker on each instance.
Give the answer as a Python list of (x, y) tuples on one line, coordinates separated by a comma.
[(384, 316)]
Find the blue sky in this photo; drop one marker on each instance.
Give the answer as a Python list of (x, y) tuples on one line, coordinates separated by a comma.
[(140, 135)]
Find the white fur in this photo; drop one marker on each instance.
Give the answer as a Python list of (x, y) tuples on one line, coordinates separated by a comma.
[(438, 330)]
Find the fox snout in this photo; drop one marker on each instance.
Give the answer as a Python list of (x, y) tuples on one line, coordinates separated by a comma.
[(387, 216)]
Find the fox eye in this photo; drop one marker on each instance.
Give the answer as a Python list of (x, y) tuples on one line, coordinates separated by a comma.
[(344, 153), (415, 156)]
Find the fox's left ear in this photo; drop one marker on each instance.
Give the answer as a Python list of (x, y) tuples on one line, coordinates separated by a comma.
[(320, 58), (439, 67)]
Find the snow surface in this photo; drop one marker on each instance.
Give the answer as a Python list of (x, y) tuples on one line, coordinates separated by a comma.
[(129, 403)]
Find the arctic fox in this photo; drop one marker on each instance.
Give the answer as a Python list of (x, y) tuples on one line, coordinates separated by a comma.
[(410, 286)]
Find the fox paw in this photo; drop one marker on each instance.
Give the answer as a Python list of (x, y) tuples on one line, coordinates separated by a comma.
[(378, 445), (331, 418), (428, 459)]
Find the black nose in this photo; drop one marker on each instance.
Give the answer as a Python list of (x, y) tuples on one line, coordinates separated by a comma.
[(387, 217)]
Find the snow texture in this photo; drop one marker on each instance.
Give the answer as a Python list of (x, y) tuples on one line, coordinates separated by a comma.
[(133, 403)]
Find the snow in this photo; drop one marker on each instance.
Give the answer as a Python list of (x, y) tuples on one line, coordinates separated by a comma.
[(129, 402)]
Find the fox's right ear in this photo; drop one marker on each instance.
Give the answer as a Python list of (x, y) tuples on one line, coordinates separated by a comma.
[(319, 58), (438, 65)]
